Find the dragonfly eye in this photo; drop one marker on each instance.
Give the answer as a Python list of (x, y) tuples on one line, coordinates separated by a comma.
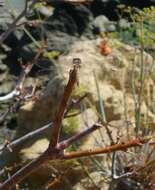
[(76, 61)]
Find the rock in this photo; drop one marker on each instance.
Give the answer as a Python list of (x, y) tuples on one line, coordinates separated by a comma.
[(35, 150), (6, 87), (70, 19), (103, 24), (113, 76), (59, 41), (3, 67), (61, 29)]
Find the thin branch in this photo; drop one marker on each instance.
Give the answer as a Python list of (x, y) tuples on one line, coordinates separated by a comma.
[(113, 167), (9, 96), (60, 114), (54, 154), (64, 144), (11, 146), (56, 151), (108, 149), (28, 67), (25, 71), (125, 175)]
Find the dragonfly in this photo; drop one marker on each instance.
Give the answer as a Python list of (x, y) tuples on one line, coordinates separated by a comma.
[(77, 63)]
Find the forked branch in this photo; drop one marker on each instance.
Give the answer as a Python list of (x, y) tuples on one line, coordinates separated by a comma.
[(60, 155), (25, 71), (56, 149)]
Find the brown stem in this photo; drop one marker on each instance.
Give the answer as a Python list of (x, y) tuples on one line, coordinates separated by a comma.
[(53, 153), (26, 69), (64, 144), (62, 107), (18, 142), (108, 149)]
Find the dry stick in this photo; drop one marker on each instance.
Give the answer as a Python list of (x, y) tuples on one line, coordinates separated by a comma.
[(12, 145), (51, 151), (32, 134), (53, 155), (24, 138), (60, 114), (55, 152), (25, 71), (108, 149), (64, 144)]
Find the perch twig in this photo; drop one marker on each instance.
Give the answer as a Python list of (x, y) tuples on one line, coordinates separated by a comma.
[(62, 108), (25, 71), (56, 150), (108, 149)]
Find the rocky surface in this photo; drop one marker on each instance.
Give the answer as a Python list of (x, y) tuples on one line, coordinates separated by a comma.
[(113, 74)]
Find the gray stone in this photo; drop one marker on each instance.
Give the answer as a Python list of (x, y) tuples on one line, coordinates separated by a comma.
[(103, 24)]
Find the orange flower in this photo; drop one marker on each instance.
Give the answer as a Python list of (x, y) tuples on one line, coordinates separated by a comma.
[(104, 48)]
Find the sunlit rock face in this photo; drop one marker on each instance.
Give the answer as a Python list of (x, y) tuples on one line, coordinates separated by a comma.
[(107, 79)]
